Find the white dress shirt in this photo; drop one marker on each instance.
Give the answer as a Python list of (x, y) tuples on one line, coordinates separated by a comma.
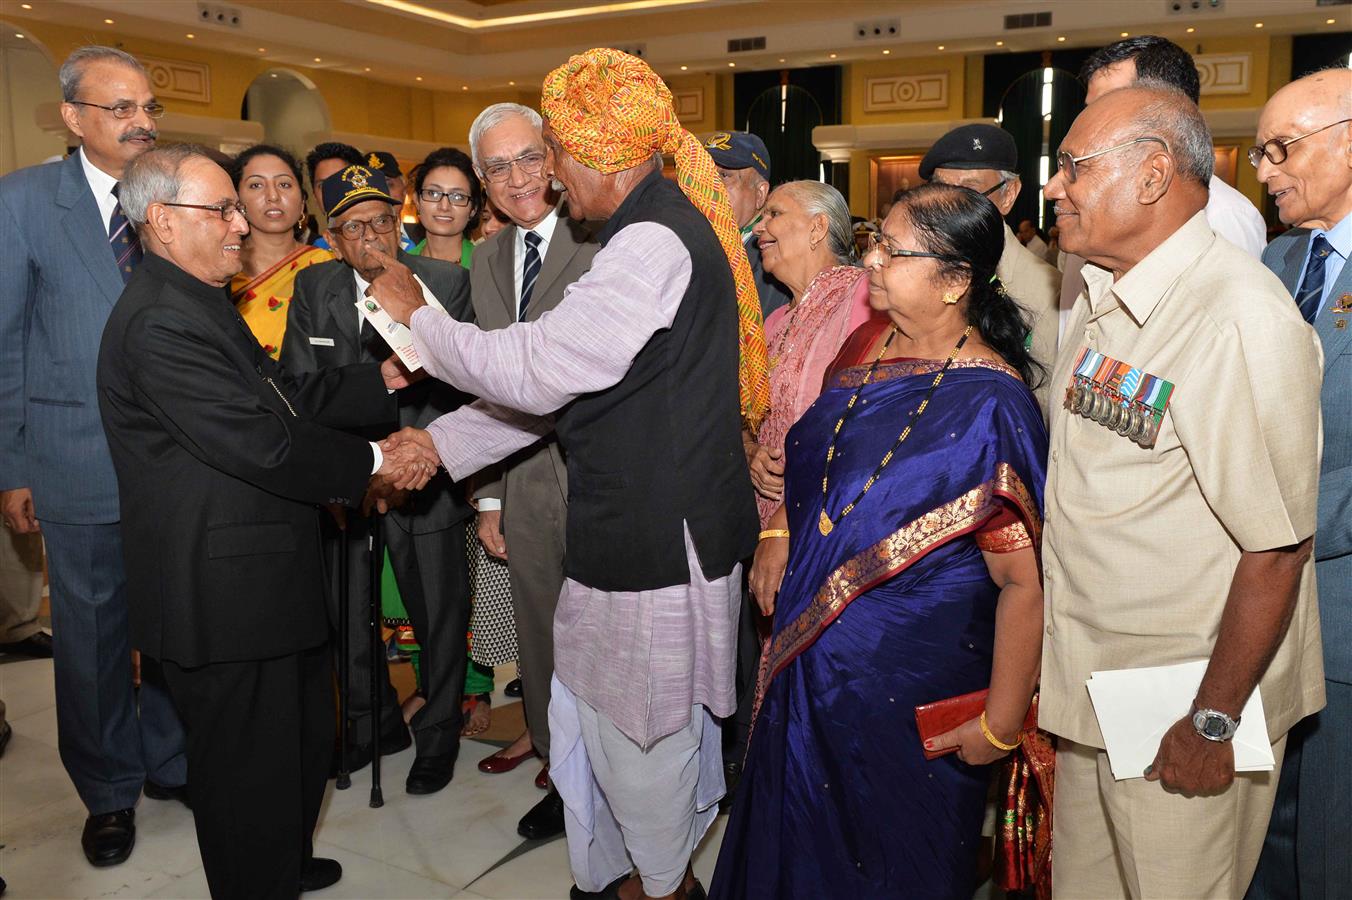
[(102, 184), (546, 231)]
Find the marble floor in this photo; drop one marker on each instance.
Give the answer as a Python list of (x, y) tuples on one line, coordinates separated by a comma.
[(461, 842)]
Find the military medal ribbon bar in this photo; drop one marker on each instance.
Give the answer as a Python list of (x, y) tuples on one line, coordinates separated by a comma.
[(1119, 396)]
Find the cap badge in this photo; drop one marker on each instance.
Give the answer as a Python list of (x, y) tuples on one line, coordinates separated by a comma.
[(720, 141), (976, 144), (373, 161), (355, 176)]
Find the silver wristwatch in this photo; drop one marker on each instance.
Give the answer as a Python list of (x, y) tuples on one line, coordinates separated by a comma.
[(1214, 725)]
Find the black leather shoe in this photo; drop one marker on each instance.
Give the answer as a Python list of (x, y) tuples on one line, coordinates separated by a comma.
[(359, 755), (430, 774), (513, 688), (545, 819), (320, 873), (109, 837), (39, 646), (609, 892), (732, 773), (164, 792)]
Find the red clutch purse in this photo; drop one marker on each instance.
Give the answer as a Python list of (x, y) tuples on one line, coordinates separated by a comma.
[(941, 716)]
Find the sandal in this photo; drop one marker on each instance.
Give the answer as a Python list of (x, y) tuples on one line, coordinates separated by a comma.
[(478, 713)]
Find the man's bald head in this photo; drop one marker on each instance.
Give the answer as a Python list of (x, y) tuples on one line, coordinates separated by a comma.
[(1312, 186), (1125, 202)]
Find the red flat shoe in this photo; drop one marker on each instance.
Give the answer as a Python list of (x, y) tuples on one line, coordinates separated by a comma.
[(497, 763), (542, 780)]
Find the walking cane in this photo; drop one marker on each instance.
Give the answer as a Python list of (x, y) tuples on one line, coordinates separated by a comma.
[(376, 542), (344, 664)]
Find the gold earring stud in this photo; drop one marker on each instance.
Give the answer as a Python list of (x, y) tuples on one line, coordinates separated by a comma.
[(952, 297)]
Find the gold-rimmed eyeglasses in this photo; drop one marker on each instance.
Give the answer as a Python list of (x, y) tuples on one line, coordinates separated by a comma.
[(530, 163), (353, 229), (1275, 149), (1066, 162), (125, 110)]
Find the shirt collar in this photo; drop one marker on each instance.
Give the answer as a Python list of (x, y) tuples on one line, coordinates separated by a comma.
[(746, 229), (1339, 237), (100, 182), (1141, 289), (545, 229)]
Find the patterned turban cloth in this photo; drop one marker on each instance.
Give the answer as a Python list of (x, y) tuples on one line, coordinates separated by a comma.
[(611, 112)]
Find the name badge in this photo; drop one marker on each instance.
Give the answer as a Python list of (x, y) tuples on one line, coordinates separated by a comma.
[(1118, 395), (321, 342)]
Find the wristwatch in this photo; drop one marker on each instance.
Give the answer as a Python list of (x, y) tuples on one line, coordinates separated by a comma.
[(1214, 725)]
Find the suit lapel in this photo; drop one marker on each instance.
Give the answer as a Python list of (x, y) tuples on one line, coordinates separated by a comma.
[(1334, 338), (562, 249), (500, 265), (340, 305), (1293, 259), (84, 226)]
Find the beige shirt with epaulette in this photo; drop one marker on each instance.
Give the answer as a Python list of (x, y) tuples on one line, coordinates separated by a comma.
[(1140, 545), (1036, 286)]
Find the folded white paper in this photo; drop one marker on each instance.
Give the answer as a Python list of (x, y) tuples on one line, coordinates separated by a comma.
[(397, 336), (1135, 707)]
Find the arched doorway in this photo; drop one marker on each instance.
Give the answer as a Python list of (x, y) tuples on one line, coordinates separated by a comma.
[(288, 106), (28, 80)]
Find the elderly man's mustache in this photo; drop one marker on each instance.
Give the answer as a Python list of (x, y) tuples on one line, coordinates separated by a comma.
[(139, 133), (558, 186)]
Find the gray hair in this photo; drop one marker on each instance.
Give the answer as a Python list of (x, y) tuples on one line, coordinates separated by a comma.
[(1170, 114), (72, 70), (494, 115), (155, 177), (818, 199)]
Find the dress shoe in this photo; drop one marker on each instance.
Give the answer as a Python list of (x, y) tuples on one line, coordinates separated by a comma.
[(359, 755), (542, 780), (513, 688), (320, 873), (163, 792), (38, 646), (109, 837), (732, 773), (609, 892), (496, 764), (430, 774), (545, 819)]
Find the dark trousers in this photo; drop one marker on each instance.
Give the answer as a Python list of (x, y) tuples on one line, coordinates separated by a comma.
[(108, 746), (260, 738), (737, 730), (433, 574)]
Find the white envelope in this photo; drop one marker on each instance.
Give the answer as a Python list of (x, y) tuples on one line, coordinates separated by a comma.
[(1135, 707), (397, 336)]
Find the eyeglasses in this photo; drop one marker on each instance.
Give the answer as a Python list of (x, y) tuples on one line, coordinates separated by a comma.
[(455, 198), (1066, 163), (529, 163), (353, 229), (126, 110), (224, 210), (995, 187), (878, 244), (1275, 149)]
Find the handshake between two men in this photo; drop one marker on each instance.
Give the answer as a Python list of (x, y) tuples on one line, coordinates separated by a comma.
[(409, 462)]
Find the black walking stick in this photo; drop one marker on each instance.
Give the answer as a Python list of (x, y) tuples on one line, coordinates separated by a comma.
[(377, 544), (344, 662)]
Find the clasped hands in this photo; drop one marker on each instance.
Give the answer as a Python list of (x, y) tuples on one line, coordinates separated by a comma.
[(410, 461)]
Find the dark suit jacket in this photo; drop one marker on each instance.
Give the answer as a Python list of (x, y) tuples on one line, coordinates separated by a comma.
[(537, 474), (58, 284), (322, 332), (1285, 256), (221, 458)]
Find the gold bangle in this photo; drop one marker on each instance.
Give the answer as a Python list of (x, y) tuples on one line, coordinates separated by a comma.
[(774, 533), (995, 741)]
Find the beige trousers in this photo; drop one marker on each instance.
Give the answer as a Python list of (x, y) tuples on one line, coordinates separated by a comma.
[(20, 585), (1119, 839)]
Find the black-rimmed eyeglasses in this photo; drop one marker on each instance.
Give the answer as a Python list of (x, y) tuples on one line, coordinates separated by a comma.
[(1066, 163), (1275, 149), (224, 210), (886, 252), (353, 229), (125, 110), (455, 198)]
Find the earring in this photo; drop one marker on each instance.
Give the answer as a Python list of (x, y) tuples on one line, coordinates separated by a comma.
[(952, 297)]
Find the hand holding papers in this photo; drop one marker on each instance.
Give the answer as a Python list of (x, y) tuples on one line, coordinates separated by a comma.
[(1143, 716), (392, 295), (398, 292)]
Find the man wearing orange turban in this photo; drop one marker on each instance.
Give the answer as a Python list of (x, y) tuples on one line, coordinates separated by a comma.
[(646, 371)]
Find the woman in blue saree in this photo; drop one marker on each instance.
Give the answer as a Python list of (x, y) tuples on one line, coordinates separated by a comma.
[(913, 501)]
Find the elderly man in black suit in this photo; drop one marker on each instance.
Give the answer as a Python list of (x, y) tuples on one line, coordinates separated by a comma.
[(426, 532), (222, 458)]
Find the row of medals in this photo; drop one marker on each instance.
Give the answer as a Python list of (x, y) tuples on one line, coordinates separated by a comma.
[(1133, 421)]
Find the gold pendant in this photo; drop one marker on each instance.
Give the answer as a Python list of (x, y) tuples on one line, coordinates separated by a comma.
[(824, 524)]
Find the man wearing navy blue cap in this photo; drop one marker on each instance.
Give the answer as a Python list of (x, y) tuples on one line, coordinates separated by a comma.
[(744, 164), (985, 159)]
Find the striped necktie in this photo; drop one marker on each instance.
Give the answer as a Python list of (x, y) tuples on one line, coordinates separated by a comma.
[(124, 241), (530, 270), (1311, 292)]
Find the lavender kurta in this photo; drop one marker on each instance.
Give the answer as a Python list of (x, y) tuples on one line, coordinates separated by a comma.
[(643, 659)]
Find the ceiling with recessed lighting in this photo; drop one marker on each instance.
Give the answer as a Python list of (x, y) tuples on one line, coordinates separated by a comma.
[(487, 44)]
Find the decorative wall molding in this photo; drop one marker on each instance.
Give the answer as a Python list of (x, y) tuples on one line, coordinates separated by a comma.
[(906, 92), (178, 79), (689, 105), (1224, 73)]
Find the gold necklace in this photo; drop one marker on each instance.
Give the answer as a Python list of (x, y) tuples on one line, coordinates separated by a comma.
[(825, 524)]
